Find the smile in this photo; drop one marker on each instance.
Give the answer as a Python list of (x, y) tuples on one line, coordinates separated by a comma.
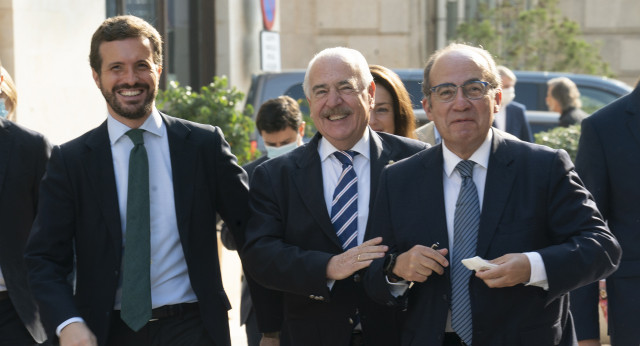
[(337, 117), (130, 92)]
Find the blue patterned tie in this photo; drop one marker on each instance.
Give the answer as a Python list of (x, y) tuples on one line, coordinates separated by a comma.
[(344, 206), (136, 281), (466, 222)]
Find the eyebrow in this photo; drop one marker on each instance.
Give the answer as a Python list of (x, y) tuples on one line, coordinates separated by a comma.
[(340, 83)]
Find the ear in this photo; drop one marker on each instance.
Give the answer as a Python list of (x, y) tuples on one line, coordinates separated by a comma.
[(427, 108), (301, 129), (159, 69), (498, 100), (372, 95)]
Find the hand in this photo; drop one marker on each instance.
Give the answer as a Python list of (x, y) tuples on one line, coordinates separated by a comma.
[(420, 262), (512, 269), (77, 334), (343, 265), (270, 340)]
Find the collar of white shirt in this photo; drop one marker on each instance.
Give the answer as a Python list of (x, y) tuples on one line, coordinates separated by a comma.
[(326, 149), (480, 156), (116, 129)]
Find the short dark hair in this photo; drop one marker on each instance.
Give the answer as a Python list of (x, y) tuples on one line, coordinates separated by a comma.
[(120, 28), (277, 114)]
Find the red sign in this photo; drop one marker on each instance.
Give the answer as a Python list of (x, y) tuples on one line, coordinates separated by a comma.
[(268, 13)]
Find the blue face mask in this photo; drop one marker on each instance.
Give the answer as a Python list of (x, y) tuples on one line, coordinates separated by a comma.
[(3, 109), (283, 149)]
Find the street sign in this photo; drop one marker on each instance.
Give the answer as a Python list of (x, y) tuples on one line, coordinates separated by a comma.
[(270, 51), (268, 13)]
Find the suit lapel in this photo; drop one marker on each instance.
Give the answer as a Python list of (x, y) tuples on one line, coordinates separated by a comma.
[(6, 141), (380, 154), (500, 177), (309, 184), (101, 176), (431, 198), (184, 163)]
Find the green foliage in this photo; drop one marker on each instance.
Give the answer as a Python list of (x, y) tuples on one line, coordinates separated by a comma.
[(561, 138), (537, 38), (309, 128), (214, 104)]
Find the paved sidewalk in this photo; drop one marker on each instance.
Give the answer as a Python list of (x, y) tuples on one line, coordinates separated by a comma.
[(231, 276)]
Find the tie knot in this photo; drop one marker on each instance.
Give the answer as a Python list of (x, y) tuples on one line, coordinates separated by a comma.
[(465, 167), (345, 157), (136, 136)]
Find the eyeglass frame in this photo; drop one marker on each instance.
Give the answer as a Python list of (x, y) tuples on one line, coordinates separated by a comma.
[(485, 84)]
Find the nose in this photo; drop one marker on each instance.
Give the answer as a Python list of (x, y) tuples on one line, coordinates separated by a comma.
[(334, 98), (460, 101), (131, 76)]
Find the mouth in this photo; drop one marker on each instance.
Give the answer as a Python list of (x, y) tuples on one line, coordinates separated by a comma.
[(130, 93), (336, 114), (130, 90)]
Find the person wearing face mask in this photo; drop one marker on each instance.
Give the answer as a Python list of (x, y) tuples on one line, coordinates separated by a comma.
[(279, 122), (8, 96), (511, 117)]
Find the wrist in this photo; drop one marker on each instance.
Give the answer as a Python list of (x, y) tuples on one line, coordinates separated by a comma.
[(271, 335), (389, 264)]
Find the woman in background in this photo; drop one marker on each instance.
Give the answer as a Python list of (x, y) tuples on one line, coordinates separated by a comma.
[(8, 96), (393, 112)]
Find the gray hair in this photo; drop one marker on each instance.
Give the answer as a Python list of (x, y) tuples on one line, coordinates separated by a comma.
[(565, 91), (506, 72), (348, 55)]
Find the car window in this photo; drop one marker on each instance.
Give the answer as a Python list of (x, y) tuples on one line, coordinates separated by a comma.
[(527, 94), (594, 99)]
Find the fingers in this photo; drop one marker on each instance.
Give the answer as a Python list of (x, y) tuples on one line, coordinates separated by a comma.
[(512, 269), (420, 262)]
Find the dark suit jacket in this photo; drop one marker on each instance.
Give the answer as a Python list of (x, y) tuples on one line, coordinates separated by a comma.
[(23, 158), (290, 240), (78, 210), (608, 161), (572, 116), (533, 201), (517, 123)]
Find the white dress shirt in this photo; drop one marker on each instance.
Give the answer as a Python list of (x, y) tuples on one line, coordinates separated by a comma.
[(170, 282)]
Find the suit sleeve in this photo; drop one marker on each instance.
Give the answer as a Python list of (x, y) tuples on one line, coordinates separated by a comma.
[(231, 189), (49, 251), (375, 282), (585, 249), (591, 166), (269, 259)]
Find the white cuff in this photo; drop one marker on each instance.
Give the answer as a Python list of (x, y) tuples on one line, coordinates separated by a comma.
[(397, 288), (68, 322), (538, 271)]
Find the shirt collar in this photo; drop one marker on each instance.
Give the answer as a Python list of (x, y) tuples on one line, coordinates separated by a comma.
[(480, 156), (326, 149), (153, 124)]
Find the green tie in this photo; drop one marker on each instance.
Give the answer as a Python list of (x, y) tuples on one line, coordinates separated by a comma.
[(136, 280)]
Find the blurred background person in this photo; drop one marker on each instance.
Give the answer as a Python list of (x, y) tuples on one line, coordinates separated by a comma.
[(511, 116), (563, 97), (8, 96), (393, 112), (608, 160), (279, 122), (23, 158)]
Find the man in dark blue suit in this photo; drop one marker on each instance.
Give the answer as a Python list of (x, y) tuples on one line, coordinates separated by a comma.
[(608, 161), (84, 220), (292, 245), (511, 116), (519, 205)]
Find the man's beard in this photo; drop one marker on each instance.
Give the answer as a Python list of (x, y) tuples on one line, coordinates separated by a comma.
[(137, 113)]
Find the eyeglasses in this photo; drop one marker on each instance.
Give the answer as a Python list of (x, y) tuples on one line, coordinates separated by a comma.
[(472, 90)]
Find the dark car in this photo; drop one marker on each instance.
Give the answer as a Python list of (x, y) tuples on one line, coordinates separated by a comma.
[(531, 90)]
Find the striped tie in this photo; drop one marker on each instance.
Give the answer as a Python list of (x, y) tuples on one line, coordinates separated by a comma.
[(466, 221), (344, 206)]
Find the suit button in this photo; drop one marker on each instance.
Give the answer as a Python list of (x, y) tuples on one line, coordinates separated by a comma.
[(350, 320), (320, 298), (357, 278), (312, 296)]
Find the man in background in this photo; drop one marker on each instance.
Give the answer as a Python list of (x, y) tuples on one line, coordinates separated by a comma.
[(23, 158), (511, 116), (279, 122), (608, 162)]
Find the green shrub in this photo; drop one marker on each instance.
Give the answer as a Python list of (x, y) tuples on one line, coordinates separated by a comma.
[(561, 138), (214, 104)]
